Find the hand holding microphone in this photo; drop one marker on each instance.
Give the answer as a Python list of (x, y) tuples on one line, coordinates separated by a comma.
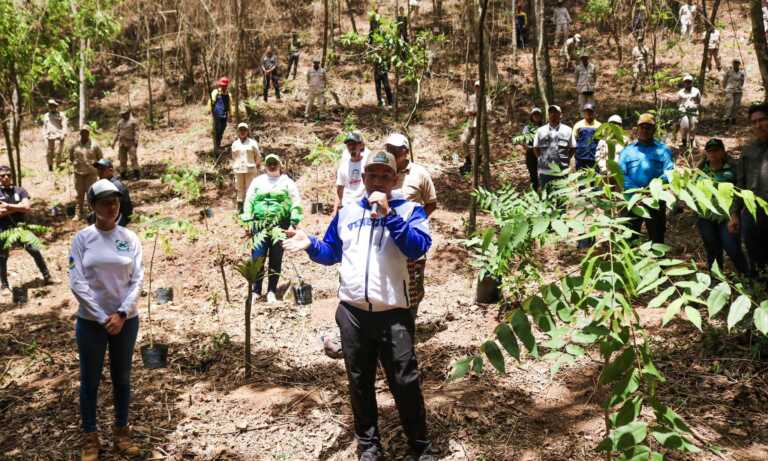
[(379, 204)]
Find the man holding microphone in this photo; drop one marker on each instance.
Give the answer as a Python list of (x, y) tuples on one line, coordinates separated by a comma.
[(373, 239)]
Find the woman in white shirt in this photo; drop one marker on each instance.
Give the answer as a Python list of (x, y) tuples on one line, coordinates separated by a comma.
[(105, 275), (246, 159)]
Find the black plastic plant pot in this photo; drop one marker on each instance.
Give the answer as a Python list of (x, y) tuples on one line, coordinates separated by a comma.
[(154, 356), (163, 295), (206, 213), (318, 207), (71, 209), (20, 295), (302, 294), (488, 290)]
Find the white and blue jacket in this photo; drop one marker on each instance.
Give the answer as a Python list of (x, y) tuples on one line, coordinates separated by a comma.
[(374, 253)]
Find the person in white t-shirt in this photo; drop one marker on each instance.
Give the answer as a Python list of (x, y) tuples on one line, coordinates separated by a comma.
[(713, 48), (349, 179), (105, 276), (246, 160), (688, 103), (687, 20)]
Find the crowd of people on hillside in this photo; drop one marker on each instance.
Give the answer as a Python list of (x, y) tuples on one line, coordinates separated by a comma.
[(379, 234)]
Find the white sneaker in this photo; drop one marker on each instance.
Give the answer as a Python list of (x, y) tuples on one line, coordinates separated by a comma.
[(271, 298)]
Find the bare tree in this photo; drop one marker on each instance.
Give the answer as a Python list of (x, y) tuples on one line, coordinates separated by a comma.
[(541, 66), (705, 54), (761, 47), (482, 130)]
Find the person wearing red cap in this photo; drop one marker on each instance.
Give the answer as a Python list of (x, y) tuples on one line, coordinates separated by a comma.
[(220, 108)]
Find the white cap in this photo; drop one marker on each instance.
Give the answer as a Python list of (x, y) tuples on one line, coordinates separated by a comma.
[(615, 119), (477, 82), (242, 125), (397, 140), (577, 37), (556, 108), (102, 188), (688, 78)]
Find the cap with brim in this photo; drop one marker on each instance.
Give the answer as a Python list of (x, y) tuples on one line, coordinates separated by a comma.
[(125, 110), (589, 106), (535, 110), (317, 60), (101, 189), (397, 140), (102, 163), (242, 125), (381, 158), (646, 119), (271, 157), (714, 144), (615, 119), (555, 108), (477, 82), (85, 128), (688, 78), (52, 102), (353, 136)]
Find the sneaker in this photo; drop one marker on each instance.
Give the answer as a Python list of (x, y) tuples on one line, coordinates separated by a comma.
[(271, 298), (136, 175), (90, 446), (123, 443), (332, 347)]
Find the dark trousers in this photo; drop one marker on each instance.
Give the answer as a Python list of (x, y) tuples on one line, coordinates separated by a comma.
[(92, 343), (545, 179), (293, 62), (275, 83), (583, 164), (368, 338), (219, 125), (655, 226), (34, 252), (274, 252), (382, 80), (532, 164), (755, 235), (716, 238)]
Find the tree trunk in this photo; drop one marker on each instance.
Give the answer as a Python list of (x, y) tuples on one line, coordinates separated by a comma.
[(541, 65), (481, 133), (325, 31), (761, 47), (248, 333), (82, 106), (705, 54), (150, 102), (514, 32), (237, 9), (351, 14)]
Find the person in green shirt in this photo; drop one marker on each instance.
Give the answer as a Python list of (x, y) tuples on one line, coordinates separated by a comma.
[(272, 200), (715, 231)]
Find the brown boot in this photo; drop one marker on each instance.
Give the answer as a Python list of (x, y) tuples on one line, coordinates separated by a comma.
[(123, 443), (89, 448)]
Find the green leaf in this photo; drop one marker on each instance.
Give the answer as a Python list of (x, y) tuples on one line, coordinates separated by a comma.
[(680, 271), (507, 339), (693, 316), (656, 188), (672, 310), (459, 369), (560, 228), (624, 388), (661, 298), (492, 351), (629, 412), (669, 417), (639, 453), (761, 318), (738, 310), (477, 364), (540, 225), (506, 234), (615, 369), (749, 200), (487, 238), (669, 438), (625, 437), (718, 298), (522, 328), (575, 350)]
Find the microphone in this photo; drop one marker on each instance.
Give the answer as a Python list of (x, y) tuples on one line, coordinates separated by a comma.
[(374, 210)]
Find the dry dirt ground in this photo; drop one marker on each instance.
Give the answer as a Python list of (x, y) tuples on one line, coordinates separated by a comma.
[(295, 407)]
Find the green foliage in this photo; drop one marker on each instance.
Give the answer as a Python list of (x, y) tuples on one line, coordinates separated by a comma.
[(251, 269), (151, 225), (23, 234), (325, 154), (597, 12), (184, 182), (595, 308)]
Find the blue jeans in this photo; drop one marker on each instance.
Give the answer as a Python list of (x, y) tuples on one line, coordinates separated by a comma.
[(754, 232), (92, 343), (716, 239)]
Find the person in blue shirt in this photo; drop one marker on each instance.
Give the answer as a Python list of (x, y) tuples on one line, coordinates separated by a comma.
[(220, 108), (641, 162)]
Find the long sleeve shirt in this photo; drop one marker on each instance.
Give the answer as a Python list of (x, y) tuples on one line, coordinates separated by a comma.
[(274, 198), (752, 169), (106, 272), (374, 253), (246, 155), (54, 125), (83, 156), (316, 80), (733, 81), (560, 15), (586, 77), (128, 132)]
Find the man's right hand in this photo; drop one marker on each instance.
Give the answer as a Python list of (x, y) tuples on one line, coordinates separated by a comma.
[(297, 240)]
